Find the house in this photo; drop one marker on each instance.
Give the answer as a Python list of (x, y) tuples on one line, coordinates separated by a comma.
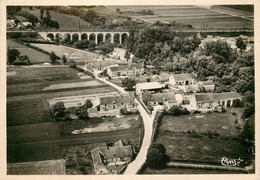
[(213, 100), (92, 112), (132, 69), (166, 99), (148, 87), (111, 160), (113, 104), (207, 86), (182, 79)]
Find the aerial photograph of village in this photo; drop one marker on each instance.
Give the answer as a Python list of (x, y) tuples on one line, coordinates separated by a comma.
[(125, 90)]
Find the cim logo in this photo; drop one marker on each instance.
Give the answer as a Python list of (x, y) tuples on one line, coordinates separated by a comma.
[(230, 162)]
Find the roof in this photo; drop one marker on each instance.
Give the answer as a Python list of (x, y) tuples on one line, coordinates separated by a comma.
[(207, 83), (122, 67), (97, 161), (210, 97), (116, 99), (161, 96), (149, 85), (183, 77), (116, 151)]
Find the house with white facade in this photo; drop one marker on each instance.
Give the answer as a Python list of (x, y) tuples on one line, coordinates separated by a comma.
[(165, 99), (112, 105), (131, 69), (210, 101)]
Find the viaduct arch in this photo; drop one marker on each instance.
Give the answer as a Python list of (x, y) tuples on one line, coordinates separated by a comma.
[(96, 36)]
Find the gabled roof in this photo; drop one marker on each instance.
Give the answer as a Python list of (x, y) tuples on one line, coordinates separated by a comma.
[(122, 67), (116, 100), (161, 96), (149, 85), (183, 77), (116, 151), (210, 97)]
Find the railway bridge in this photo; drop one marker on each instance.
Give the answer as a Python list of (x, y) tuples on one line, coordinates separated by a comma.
[(97, 36)]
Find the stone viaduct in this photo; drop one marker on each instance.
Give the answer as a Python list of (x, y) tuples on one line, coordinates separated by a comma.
[(97, 36)]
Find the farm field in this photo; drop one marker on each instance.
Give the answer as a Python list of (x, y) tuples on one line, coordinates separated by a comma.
[(32, 74), (80, 56), (51, 167), (28, 112), (99, 124), (221, 123), (214, 17), (35, 56), (65, 21), (188, 139), (55, 147)]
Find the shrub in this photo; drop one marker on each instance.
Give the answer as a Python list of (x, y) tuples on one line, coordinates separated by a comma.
[(72, 63), (177, 111)]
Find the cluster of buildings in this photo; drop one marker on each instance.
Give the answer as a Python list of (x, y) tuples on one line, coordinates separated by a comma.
[(186, 91), (125, 70)]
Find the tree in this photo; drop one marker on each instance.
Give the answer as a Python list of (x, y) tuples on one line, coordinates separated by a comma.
[(64, 59), (160, 147), (12, 55), (240, 44), (177, 111), (106, 47), (72, 63), (59, 111), (128, 83), (53, 57), (88, 104), (156, 157), (42, 11)]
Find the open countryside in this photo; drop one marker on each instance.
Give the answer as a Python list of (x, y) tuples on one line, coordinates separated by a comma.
[(129, 90)]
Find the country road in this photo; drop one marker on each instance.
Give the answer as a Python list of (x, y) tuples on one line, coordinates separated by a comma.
[(135, 165)]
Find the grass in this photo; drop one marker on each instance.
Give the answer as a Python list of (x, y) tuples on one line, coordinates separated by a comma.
[(38, 132), (170, 170), (28, 112), (203, 139), (51, 167), (35, 56), (80, 56), (130, 121), (222, 123), (65, 21)]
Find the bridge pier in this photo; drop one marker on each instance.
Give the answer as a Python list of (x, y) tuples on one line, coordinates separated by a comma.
[(72, 35)]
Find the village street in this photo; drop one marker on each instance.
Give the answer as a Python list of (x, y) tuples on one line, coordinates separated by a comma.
[(134, 166)]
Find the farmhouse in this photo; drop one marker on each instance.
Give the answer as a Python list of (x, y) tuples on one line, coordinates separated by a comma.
[(212, 100), (113, 104), (125, 70), (182, 79), (148, 87), (111, 160), (166, 99)]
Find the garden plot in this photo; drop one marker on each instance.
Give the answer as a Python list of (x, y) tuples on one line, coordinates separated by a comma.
[(72, 85), (50, 167), (101, 124), (35, 56)]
